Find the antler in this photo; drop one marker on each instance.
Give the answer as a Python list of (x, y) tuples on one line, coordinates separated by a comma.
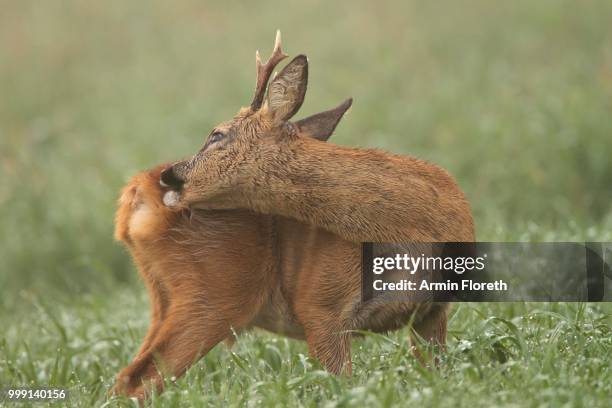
[(265, 70)]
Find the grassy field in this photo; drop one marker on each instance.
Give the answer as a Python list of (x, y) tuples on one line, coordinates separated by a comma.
[(514, 98)]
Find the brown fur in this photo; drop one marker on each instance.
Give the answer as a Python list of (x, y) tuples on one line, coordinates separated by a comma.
[(210, 273), (267, 164), (361, 195)]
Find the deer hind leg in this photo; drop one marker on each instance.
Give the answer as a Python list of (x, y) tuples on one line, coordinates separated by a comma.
[(433, 330), (158, 297), (183, 337)]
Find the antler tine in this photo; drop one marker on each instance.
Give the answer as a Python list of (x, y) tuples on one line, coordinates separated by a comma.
[(264, 71)]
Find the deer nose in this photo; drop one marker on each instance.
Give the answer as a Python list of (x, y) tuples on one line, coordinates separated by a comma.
[(168, 178)]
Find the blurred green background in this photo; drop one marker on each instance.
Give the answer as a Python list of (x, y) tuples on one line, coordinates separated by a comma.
[(514, 98)]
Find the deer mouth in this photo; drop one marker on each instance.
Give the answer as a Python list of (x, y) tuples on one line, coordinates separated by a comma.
[(171, 198)]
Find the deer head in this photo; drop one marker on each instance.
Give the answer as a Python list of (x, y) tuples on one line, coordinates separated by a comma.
[(236, 151)]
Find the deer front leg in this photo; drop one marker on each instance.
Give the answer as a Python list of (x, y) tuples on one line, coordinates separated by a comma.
[(432, 329), (331, 345)]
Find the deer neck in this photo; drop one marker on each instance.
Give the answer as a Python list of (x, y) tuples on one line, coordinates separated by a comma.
[(362, 195)]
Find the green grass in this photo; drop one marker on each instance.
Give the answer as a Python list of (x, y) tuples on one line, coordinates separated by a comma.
[(499, 355), (513, 98)]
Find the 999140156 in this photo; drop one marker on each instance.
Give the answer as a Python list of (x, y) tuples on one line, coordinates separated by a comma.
[(28, 394)]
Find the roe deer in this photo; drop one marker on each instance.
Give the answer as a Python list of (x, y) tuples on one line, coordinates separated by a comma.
[(210, 272), (261, 161)]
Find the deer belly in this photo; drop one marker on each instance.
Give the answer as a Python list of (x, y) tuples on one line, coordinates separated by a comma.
[(277, 317)]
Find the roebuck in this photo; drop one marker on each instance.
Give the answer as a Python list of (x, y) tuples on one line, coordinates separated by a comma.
[(212, 273), (261, 161), (297, 270)]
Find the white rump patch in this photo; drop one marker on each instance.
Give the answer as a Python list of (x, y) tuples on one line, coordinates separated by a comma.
[(141, 220)]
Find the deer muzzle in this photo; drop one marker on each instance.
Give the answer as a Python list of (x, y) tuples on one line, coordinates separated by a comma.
[(169, 179)]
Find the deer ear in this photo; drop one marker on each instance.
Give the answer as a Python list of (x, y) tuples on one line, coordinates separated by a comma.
[(321, 125), (287, 90)]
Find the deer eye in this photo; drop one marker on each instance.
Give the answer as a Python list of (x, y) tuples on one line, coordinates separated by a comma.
[(215, 137)]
